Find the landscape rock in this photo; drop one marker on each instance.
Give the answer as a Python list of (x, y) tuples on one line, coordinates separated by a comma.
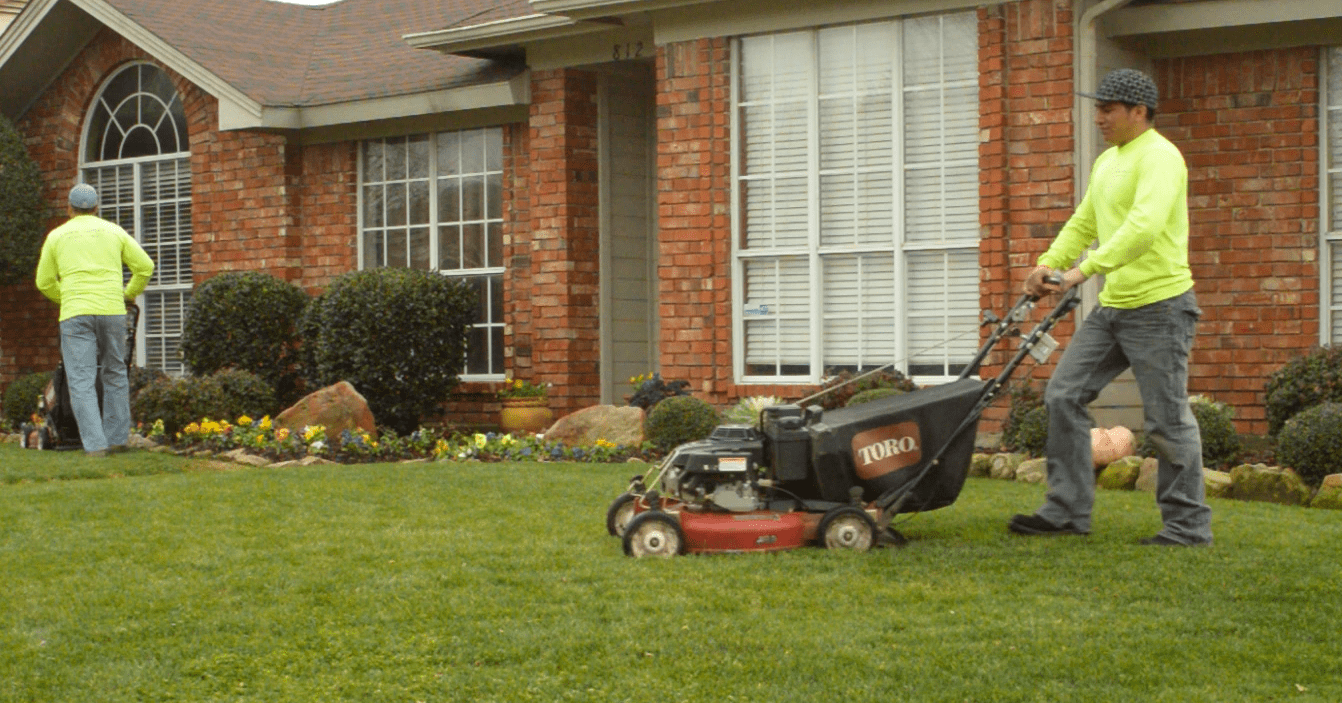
[(138, 442), (337, 408), (1121, 475), (1268, 484), (621, 425), (1332, 481), (1217, 483), (1004, 466), (1146, 475), (251, 460), (981, 465), (1329, 497), (1110, 445), (314, 461), (1032, 471)]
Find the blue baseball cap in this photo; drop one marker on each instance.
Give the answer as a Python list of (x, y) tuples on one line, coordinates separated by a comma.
[(83, 197)]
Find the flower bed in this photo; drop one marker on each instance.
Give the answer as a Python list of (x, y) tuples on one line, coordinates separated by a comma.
[(261, 438)]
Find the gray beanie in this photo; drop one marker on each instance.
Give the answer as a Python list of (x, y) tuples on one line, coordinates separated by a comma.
[(1126, 85), (83, 197)]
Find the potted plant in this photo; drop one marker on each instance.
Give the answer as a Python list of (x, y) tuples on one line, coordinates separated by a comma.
[(525, 408)]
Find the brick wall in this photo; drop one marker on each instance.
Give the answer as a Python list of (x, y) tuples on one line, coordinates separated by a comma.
[(323, 180), (1247, 124), (1026, 159)]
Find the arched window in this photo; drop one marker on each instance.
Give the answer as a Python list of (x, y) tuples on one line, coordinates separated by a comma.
[(135, 154)]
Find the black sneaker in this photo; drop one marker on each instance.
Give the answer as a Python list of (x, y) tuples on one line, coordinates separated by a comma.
[(1035, 525), (1163, 541)]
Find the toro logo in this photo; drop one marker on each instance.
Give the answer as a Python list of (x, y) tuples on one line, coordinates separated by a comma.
[(885, 449)]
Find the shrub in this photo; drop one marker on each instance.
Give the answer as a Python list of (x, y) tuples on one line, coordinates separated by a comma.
[(22, 397), (179, 402), (678, 420), (22, 208), (1220, 441), (1032, 432), (844, 388), (247, 321), (398, 335), (1311, 443), (1024, 399), (873, 394), (1303, 383), (140, 377), (747, 410)]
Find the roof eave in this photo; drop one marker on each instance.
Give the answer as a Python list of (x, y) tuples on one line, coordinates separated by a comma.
[(501, 38), (583, 9)]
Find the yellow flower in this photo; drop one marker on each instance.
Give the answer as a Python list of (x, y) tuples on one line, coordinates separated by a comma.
[(244, 421), (281, 434), (480, 440), (265, 423)]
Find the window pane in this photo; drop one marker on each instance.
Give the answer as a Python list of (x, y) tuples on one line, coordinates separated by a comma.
[(396, 204), (372, 162), (449, 248), (496, 299), (473, 151), (418, 156), (419, 203), (472, 246), (494, 149), (395, 158), (449, 200), (477, 351), (372, 250), (495, 259), (373, 207), (496, 349), (396, 248), (419, 248), (494, 196), (449, 154), (473, 198)]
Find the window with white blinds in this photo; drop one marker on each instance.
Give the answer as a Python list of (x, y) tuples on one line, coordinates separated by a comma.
[(1332, 197), (856, 174), (435, 202), (135, 157)]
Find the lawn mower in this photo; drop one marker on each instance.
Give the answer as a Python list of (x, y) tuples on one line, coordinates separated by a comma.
[(836, 478), (57, 428)]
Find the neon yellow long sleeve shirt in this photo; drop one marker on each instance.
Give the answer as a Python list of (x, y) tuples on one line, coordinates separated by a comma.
[(1137, 207), (80, 267)]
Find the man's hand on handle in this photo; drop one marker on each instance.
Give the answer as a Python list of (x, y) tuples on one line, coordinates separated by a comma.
[(1044, 280)]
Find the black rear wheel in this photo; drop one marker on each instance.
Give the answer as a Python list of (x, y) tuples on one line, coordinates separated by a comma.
[(619, 514)]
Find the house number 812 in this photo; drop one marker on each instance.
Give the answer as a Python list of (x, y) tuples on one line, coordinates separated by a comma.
[(631, 50)]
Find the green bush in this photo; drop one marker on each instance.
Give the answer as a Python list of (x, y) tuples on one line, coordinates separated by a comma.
[(22, 396), (1032, 432), (140, 377), (679, 419), (844, 388), (1024, 399), (1220, 441), (873, 394), (22, 207), (1311, 443), (1303, 383), (247, 321), (179, 402), (397, 335)]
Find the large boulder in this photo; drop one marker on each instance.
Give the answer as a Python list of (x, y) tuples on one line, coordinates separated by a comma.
[(337, 408), (1004, 466), (619, 424), (1032, 471), (1217, 483), (1120, 475), (1268, 484), (981, 465), (1108, 446)]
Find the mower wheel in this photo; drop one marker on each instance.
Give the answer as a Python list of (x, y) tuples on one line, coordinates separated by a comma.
[(847, 527), (619, 514), (44, 439), (653, 534)]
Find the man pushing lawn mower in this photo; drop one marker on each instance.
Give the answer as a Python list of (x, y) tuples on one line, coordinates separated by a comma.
[(1136, 207)]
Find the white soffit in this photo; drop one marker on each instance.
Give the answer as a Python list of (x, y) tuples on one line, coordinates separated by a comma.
[(743, 17), (605, 8), (1214, 14), (491, 35)]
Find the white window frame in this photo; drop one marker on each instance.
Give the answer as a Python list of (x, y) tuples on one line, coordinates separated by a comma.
[(899, 247), (147, 330), (493, 274), (1330, 178)]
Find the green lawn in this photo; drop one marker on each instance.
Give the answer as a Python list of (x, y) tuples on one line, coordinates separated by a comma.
[(497, 582)]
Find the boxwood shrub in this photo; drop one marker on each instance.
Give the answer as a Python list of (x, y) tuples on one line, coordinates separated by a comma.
[(1311, 443), (1220, 441), (247, 321), (226, 395), (679, 419), (1305, 382), (23, 207), (844, 388), (22, 395), (397, 335)]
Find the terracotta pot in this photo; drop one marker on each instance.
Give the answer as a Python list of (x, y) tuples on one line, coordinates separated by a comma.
[(525, 415)]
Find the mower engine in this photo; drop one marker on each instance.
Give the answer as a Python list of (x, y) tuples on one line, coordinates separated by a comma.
[(721, 471)]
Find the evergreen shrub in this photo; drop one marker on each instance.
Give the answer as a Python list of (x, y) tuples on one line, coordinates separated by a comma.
[(247, 321), (1311, 443), (22, 397), (22, 208), (1032, 432), (679, 419), (1305, 382), (1220, 441), (872, 394), (397, 335), (1024, 399), (844, 388), (226, 395)]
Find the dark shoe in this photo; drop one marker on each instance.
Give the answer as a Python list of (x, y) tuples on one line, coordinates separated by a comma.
[(1163, 541), (1035, 525)]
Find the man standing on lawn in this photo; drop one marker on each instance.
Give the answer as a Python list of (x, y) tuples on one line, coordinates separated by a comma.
[(1136, 206), (80, 269)]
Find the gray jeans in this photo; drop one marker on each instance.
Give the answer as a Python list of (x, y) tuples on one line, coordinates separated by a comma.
[(86, 342), (1154, 340)]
